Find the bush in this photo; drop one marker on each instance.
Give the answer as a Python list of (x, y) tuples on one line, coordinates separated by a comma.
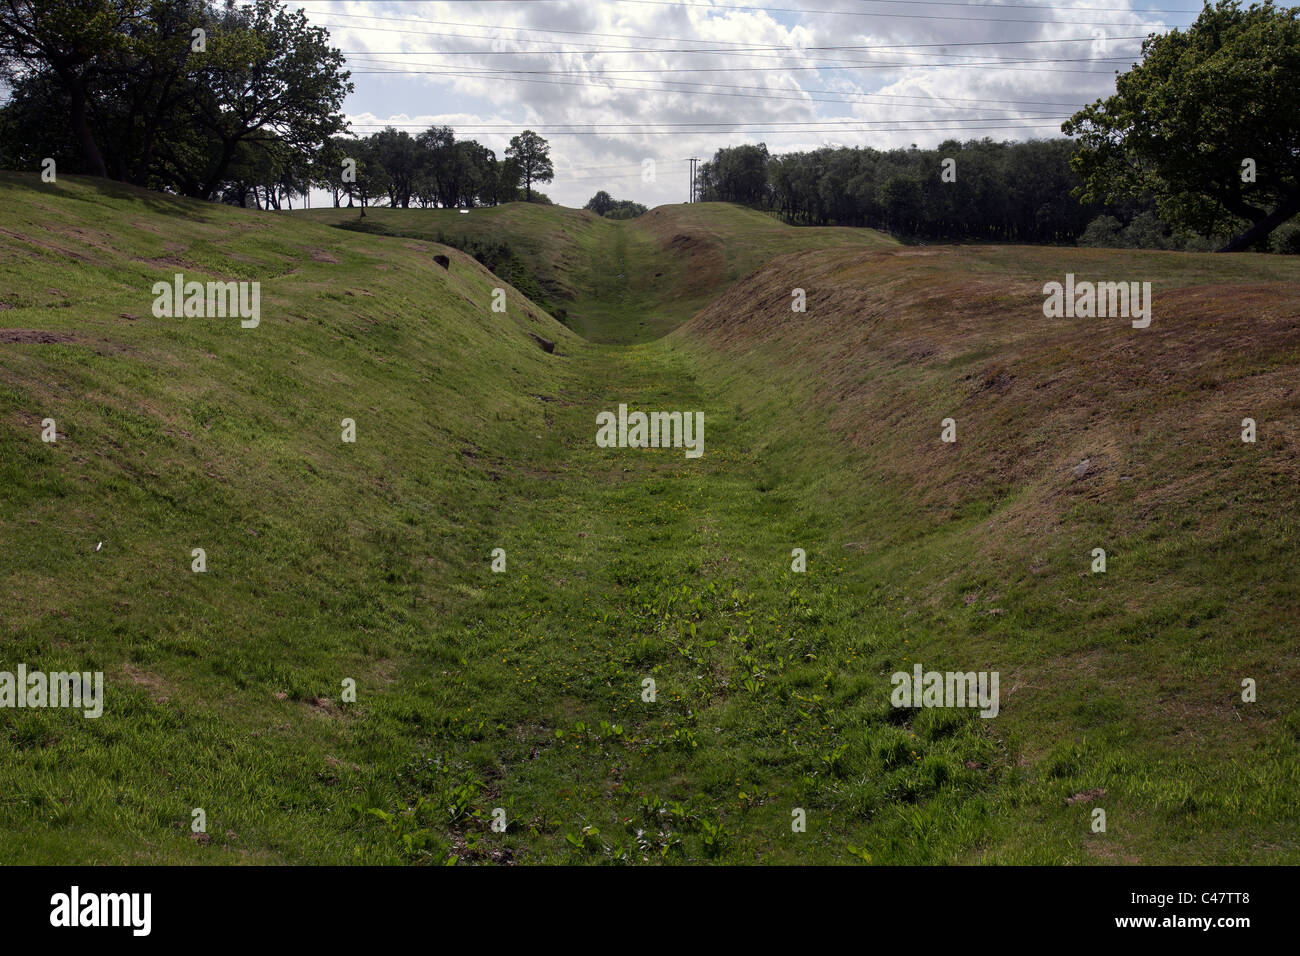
[(1102, 231), (1286, 239)]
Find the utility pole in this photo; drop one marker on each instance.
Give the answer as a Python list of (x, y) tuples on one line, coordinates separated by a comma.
[(693, 160)]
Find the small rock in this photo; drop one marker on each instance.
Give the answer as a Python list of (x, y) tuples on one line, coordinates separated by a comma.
[(1081, 468)]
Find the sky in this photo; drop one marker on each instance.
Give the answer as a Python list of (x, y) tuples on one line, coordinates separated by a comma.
[(626, 91)]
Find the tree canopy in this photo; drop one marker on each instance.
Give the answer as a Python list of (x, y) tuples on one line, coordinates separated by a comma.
[(168, 95), (1208, 124)]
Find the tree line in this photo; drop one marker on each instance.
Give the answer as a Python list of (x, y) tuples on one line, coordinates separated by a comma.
[(432, 169), (978, 190)]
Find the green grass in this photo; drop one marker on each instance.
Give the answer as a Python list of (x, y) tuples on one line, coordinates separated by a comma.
[(523, 690)]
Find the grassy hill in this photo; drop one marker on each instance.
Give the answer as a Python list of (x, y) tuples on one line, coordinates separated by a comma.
[(613, 281), (1072, 434), (325, 560), (523, 690)]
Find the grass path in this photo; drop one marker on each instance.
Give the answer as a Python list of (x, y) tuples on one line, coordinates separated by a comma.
[(628, 564)]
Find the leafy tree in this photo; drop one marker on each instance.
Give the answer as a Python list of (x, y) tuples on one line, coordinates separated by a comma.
[(327, 171), (372, 177), (476, 164), (71, 39), (441, 180), (738, 174), (533, 154), (268, 73), (1202, 102), (625, 209), (603, 204), (146, 106), (509, 176), (400, 157), (600, 203)]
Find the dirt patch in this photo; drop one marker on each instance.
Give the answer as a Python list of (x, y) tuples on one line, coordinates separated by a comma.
[(35, 336), (1087, 796), (48, 246), (156, 686), (319, 256)]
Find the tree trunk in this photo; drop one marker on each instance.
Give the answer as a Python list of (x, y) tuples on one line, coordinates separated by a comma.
[(81, 128), (209, 188), (1260, 230)]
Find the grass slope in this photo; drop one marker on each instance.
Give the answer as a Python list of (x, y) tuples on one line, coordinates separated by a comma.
[(1127, 682), (325, 559), (524, 690), (615, 281)]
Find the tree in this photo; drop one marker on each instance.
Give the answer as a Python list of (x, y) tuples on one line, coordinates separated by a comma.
[(478, 173), (737, 174), (72, 39), (401, 159), (269, 74), (603, 204), (508, 177), (533, 155), (327, 168), (600, 203), (1183, 124), (441, 179), (149, 102)]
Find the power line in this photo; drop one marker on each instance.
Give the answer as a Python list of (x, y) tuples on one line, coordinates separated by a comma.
[(799, 91), (933, 3), (840, 13), (752, 50), (490, 127), (722, 132), (694, 88), (634, 36), (754, 53), (1003, 64)]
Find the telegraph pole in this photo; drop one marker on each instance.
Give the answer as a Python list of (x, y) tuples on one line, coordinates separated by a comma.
[(693, 160)]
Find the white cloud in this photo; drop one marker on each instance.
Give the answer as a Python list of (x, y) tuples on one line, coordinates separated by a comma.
[(929, 85)]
